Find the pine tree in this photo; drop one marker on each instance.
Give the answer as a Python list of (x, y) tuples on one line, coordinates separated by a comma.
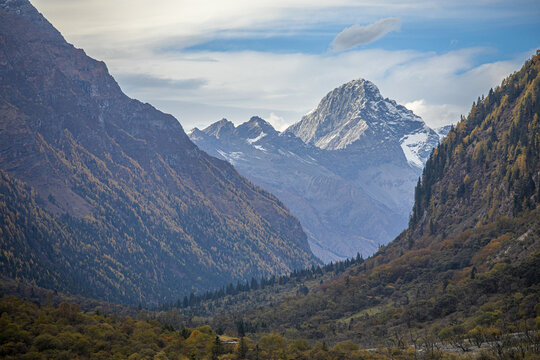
[(242, 348), (217, 348)]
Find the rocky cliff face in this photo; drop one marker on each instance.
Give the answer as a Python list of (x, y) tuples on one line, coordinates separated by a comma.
[(139, 213), (347, 169)]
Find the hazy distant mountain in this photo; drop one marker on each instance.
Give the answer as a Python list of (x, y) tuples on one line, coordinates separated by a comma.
[(339, 218), (377, 144), (104, 196), (443, 130), (353, 190)]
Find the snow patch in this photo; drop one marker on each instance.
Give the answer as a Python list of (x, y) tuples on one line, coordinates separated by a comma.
[(411, 145), (251, 141), (323, 142), (233, 157), (311, 111)]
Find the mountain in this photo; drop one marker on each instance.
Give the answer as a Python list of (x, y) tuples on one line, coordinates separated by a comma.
[(107, 197), (466, 272), (375, 143), (355, 114), (354, 193)]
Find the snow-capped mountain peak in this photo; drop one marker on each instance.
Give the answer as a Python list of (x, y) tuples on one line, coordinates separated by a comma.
[(356, 114), (347, 169)]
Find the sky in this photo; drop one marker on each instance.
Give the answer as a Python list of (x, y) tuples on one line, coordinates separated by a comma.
[(204, 60)]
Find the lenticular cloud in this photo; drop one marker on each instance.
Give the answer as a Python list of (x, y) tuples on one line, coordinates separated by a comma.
[(361, 35)]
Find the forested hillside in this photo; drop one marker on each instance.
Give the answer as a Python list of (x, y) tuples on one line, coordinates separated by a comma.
[(257, 292), (488, 165), (106, 197), (469, 263)]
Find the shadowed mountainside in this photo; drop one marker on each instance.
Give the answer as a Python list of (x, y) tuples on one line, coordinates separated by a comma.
[(107, 197)]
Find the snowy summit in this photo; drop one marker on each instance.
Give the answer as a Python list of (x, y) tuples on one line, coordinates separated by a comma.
[(356, 114)]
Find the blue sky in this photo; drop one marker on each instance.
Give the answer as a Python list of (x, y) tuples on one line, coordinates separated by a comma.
[(508, 38), (205, 60)]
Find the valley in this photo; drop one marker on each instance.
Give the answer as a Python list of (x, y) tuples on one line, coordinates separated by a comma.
[(357, 232)]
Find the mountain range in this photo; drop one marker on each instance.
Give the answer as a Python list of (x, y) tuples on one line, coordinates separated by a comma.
[(347, 169), (104, 196)]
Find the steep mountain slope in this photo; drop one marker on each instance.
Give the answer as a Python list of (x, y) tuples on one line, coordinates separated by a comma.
[(349, 179), (468, 267), (339, 218), (105, 196)]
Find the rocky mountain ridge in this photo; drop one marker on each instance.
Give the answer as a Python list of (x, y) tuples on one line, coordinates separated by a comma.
[(328, 206)]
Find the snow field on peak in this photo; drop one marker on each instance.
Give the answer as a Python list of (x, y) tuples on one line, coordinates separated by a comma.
[(251, 141), (411, 145)]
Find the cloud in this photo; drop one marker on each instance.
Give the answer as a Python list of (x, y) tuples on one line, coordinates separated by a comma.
[(144, 45), (437, 114), (278, 122), (245, 83), (360, 35), (149, 81), (104, 27)]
